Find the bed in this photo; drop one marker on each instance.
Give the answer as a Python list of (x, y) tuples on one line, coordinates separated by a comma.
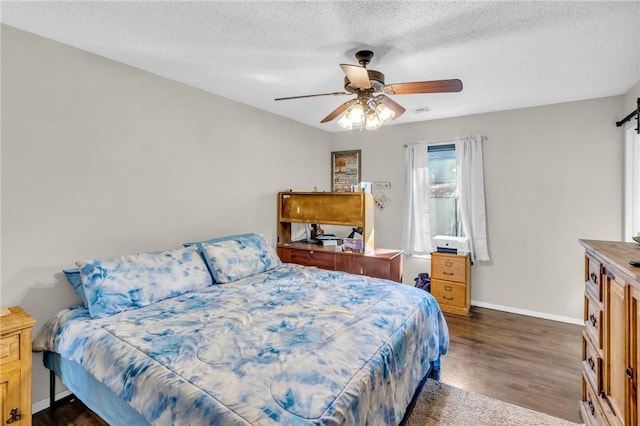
[(258, 342)]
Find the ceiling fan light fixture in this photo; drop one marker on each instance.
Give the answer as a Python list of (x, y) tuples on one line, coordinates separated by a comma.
[(384, 113), (373, 121), (345, 123), (377, 114), (355, 114)]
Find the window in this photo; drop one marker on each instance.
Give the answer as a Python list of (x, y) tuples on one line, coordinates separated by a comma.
[(444, 197)]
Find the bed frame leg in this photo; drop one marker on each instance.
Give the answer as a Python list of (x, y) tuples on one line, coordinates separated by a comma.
[(52, 390), (435, 371)]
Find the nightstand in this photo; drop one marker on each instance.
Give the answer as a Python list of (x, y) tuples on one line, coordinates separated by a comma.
[(15, 366), (451, 282)]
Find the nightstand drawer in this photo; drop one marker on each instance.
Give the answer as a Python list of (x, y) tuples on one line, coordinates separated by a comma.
[(450, 268), (449, 293), (9, 349)]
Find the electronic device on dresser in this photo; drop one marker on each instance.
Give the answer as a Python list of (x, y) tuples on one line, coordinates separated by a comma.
[(352, 209), (447, 244), (611, 336)]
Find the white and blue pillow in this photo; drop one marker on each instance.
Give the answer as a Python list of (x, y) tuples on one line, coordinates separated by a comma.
[(129, 282), (233, 258), (134, 281)]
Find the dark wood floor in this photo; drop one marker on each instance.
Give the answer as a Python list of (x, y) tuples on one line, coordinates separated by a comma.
[(530, 362), (526, 361)]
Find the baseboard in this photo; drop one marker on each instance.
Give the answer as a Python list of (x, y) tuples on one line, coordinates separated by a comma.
[(44, 404), (528, 313)]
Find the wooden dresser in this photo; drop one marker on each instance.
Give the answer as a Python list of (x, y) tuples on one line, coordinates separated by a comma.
[(15, 366), (611, 337), (381, 263), (451, 282), (351, 209)]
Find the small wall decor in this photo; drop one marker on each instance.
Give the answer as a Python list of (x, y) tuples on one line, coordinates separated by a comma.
[(381, 200), (345, 170)]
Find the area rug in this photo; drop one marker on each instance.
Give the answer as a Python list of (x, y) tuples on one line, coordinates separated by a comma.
[(444, 405)]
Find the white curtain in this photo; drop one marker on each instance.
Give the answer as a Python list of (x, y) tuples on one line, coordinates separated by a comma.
[(416, 238), (471, 187)]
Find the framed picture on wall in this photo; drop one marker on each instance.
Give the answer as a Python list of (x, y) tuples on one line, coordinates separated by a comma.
[(345, 170)]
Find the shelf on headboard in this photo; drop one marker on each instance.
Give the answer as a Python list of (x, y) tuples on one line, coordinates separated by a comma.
[(328, 208)]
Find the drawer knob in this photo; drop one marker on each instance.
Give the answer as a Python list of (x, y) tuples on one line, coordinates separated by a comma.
[(14, 415), (448, 263), (629, 372), (592, 364), (447, 298), (591, 408), (593, 320), (447, 273), (594, 278), (609, 274)]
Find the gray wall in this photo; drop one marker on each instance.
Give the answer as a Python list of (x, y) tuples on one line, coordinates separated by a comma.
[(101, 159), (553, 175)]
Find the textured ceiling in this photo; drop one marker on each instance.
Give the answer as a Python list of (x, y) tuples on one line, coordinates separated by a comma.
[(507, 54)]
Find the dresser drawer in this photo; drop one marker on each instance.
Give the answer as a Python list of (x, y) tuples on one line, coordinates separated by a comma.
[(593, 320), (313, 258), (9, 349), (449, 293), (590, 408), (593, 277), (591, 363), (449, 267)]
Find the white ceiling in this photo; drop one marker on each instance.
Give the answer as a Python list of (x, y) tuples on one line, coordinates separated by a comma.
[(507, 54)]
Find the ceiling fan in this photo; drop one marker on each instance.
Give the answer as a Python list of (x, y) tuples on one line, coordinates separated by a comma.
[(372, 107)]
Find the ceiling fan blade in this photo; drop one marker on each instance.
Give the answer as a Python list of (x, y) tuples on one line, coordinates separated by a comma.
[(336, 112), (358, 76), (434, 86), (312, 96), (392, 105)]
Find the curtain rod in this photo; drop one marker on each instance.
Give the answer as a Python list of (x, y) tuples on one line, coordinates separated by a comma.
[(635, 113), (484, 138)]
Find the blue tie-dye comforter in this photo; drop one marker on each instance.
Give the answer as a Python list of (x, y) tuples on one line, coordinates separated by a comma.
[(294, 345)]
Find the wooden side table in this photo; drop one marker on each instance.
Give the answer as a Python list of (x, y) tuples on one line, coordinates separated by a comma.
[(15, 366), (451, 282)]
